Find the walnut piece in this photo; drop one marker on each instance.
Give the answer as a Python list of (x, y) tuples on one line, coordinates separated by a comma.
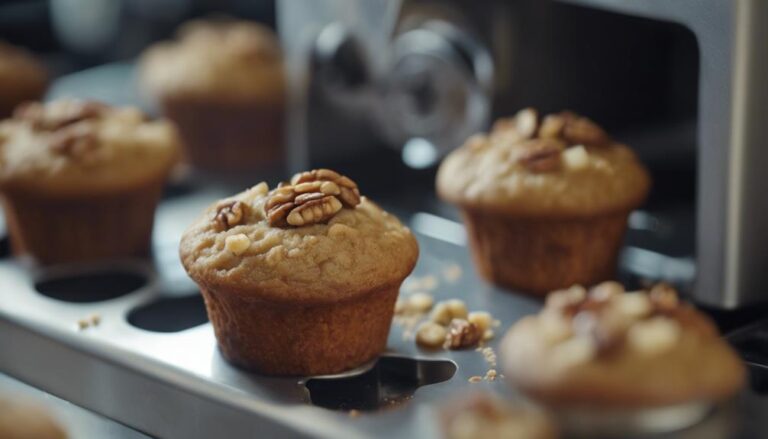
[(76, 141), (542, 155), (311, 197), (229, 214), (348, 193), (462, 334), (56, 115)]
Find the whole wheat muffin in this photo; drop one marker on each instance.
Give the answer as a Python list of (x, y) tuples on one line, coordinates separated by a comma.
[(485, 416), (80, 180), (26, 421), (22, 78), (618, 361), (545, 204), (222, 82), (300, 280)]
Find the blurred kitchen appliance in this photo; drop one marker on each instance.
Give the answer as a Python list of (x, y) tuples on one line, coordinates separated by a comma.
[(683, 82), (366, 76)]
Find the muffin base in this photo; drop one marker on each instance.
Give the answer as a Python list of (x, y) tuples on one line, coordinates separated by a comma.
[(66, 229), (538, 255), (618, 422), (298, 339), (228, 136)]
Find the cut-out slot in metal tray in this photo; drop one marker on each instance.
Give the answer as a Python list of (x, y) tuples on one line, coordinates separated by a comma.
[(146, 356)]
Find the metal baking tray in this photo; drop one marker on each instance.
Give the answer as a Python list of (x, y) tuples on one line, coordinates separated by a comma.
[(146, 356)]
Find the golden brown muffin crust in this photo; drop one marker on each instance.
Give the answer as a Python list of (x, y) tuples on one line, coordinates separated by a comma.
[(617, 349), (75, 147), (216, 59), (359, 249), (564, 166), (23, 421)]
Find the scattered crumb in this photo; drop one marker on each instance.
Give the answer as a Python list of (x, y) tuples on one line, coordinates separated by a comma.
[(489, 355), (424, 283), (89, 322), (475, 379), (491, 375), (354, 413), (452, 273)]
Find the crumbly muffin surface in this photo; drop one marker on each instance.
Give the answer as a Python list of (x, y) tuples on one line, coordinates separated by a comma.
[(76, 147), (564, 165), (242, 245), (610, 348), (228, 59)]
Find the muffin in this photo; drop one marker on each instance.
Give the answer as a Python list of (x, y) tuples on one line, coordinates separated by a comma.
[(621, 362), (80, 180), (222, 83), (300, 280), (545, 204), (22, 78), (485, 416), (24, 421)]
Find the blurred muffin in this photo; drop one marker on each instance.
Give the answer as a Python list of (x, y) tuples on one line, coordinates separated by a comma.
[(80, 180), (23, 421), (485, 416), (545, 204), (222, 83), (300, 280), (619, 362), (22, 78)]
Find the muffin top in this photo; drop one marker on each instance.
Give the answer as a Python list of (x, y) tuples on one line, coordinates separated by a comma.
[(314, 240), (608, 347), (19, 71), (225, 59), (564, 165), (72, 147)]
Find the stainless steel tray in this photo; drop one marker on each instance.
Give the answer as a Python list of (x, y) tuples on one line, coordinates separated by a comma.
[(176, 385)]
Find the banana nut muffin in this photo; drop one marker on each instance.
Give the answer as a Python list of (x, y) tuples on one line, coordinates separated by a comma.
[(300, 280), (26, 421), (80, 180), (613, 360), (545, 202), (22, 78), (485, 416), (222, 82)]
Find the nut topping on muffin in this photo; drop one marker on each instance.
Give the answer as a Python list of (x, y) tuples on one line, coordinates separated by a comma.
[(544, 144), (58, 115), (312, 197), (229, 214), (607, 314)]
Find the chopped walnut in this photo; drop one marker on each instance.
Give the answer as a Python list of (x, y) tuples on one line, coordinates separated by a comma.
[(462, 334), (229, 214), (58, 114), (312, 197), (431, 335), (542, 155), (77, 141), (348, 193), (664, 297), (581, 130)]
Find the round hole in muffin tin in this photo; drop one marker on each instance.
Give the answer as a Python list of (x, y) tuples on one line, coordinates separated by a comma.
[(392, 380), (170, 314), (88, 285)]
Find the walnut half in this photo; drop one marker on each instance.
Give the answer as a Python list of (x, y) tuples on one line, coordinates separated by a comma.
[(312, 197)]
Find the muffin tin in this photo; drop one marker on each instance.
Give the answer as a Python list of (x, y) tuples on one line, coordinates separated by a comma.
[(130, 340)]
